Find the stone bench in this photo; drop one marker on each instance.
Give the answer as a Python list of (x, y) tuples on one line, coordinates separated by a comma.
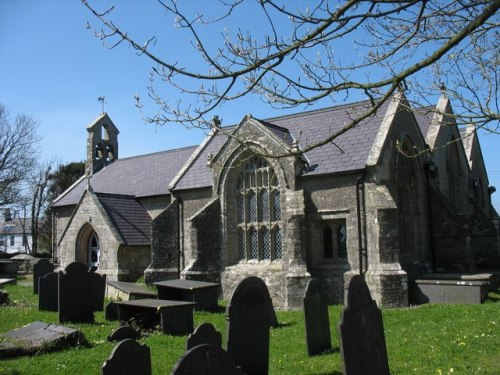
[(175, 317), (453, 288), (123, 291), (203, 293)]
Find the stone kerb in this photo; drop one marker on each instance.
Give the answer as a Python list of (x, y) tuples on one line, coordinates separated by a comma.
[(317, 323), (361, 332)]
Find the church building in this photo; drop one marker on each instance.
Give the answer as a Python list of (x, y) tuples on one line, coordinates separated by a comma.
[(402, 194)]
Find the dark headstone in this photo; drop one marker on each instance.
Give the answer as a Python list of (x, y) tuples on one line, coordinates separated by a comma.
[(111, 311), (4, 297), (122, 333), (47, 292), (8, 269), (98, 290), (248, 326), (204, 334), (317, 323), (76, 267), (39, 337), (206, 360), (76, 300), (361, 332), (128, 357), (40, 269)]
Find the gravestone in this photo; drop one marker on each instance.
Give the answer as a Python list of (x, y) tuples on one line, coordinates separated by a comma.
[(122, 333), (361, 333), (76, 267), (128, 357), (38, 337), (204, 334), (206, 360), (47, 292), (98, 290), (317, 323), (248, 324), (40, 269), (76, 299), (4, 297), (111, 311)]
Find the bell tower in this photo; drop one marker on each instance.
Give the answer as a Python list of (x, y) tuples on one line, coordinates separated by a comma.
[(102, 144)]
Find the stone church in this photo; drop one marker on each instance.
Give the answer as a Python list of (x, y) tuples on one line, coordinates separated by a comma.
[(403, 194)]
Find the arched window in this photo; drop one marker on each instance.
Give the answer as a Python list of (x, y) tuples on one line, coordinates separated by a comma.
[(258, 212), (94, 251)]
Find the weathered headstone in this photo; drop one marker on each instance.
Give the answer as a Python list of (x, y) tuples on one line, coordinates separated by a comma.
[(361, 332), (98, 290), (124, 332), (47, 292), (317, 323), (76, 267), (111, 311), (76, 302), (40, 269), (206, 360), (128, 357), (204, 334), (248, 326), (38, 337)]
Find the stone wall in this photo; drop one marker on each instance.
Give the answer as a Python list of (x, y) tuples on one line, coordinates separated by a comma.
[(132, 261)]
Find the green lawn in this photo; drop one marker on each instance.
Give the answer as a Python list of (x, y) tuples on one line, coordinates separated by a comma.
[(430, 339)]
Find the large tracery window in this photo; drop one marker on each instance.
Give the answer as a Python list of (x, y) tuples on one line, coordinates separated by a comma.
[(259, 212)]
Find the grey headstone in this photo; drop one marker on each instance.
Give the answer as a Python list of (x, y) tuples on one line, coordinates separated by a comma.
[(122, 333), (206, 360), (40, 269), (128, 357), (361, 333), (47, 292), (111, 311), (204, 334), (76, 302), (248, 323), (39, 337), (317, 323)]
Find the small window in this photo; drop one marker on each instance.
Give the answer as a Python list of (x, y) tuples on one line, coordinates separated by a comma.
[(328, 242), (12, 240), (334, 238)]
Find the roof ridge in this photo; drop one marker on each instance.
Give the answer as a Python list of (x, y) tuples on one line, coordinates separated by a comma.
[(157, 153)]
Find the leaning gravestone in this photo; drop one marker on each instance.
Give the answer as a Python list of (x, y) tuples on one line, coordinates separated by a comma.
[(248, 326), (122, 333), (128, 357), (47, 292), (204, 334), (40, 269), (317, 323), (361, 332), (76, 300), (206, 360)]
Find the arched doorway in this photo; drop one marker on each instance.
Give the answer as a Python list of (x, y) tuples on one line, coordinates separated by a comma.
[(88, 249)]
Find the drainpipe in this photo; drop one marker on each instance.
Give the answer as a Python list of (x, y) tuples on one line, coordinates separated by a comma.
[(431, 173), (180, 237), (361, 206)]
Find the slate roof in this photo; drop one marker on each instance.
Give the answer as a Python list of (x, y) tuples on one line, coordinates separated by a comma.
[(348, 152), (138, 176), (15, 226), (129, 218)]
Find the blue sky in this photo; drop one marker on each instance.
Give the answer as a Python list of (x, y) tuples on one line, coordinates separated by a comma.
[(54, 69)]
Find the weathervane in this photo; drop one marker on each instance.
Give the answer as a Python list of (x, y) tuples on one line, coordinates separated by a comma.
[(101, 99)]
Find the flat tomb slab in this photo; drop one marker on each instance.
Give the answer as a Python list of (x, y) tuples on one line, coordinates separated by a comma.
[(174, 317), (120, 290), (38, 337), (203, 293), (451, 291), (7, 282)]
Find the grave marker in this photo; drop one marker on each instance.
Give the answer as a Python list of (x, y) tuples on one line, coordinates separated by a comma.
[(361, 333), (204, 334), (122, 333), (40, 269), (248, 323), (128, 357), (76, 300), (47, 292), (111, 311), (317, 323), (206, 360)]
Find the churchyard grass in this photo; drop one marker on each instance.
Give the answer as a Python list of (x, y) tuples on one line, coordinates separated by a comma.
[(429, 339)]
